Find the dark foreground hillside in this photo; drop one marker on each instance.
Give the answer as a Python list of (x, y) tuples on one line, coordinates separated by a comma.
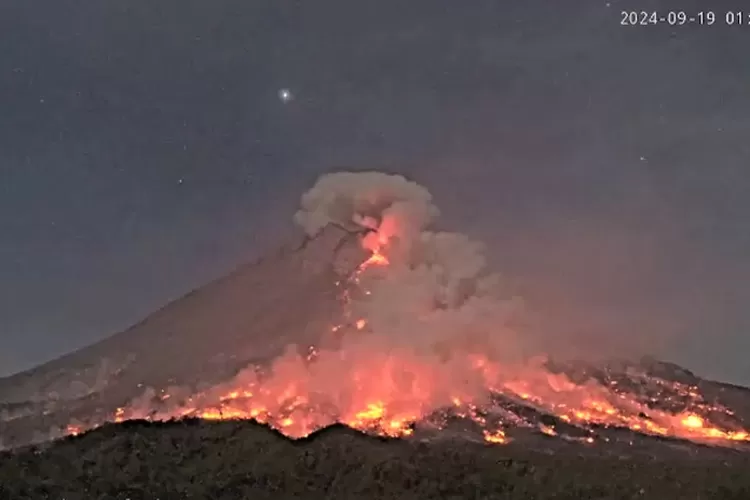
[(243, 460)]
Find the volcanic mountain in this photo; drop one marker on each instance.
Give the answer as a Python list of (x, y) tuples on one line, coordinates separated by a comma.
[(377, 322), (198, 340)]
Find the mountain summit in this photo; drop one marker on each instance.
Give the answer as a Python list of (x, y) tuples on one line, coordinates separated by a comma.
[(375, 321)]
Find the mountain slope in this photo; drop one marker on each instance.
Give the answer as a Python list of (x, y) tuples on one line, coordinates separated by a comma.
[(201, 338), (379, 323)]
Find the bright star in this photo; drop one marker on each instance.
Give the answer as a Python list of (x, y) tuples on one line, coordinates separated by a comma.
[(285, 95)]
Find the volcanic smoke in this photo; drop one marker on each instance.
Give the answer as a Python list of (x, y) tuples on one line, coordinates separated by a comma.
[(427, 331)]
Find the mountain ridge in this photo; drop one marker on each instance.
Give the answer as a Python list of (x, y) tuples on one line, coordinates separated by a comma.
[(240, 459)]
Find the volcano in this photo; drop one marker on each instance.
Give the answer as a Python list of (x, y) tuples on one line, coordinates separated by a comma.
[(198, 340), (379, 323)]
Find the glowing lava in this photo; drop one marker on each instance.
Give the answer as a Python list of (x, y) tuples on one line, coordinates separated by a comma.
[(387, 392), (376, 259), (422, 339), (495, 437)]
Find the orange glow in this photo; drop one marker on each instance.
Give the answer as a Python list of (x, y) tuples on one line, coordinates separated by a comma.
[(374, 411), (386, 391), (548, 430), (495, 437), (376, 259), (377, 404), (73, 430), (693, 422)]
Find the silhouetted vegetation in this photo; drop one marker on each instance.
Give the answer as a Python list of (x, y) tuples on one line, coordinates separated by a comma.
[(192, 459)]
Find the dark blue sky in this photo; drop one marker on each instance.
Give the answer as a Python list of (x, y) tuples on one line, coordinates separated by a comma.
[(144, 151)]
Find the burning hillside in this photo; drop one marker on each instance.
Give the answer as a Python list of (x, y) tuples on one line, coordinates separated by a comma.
[(424, 337)]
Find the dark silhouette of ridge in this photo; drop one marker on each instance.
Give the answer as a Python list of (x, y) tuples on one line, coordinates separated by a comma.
[(241, 459)]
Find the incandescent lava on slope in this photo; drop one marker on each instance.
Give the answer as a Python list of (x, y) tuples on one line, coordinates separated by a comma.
[(426, 337)]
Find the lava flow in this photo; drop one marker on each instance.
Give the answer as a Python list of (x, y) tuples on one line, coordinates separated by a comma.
[(426, 336), (368, 390)]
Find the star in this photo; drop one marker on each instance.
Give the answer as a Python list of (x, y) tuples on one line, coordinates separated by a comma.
[(285, 95)]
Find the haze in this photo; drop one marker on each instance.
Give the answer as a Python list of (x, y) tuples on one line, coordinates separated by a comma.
[(147, 148)]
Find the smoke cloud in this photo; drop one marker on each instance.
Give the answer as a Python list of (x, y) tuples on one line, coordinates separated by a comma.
[(436, 288), (425, 326), (421, 315), (394, 205)]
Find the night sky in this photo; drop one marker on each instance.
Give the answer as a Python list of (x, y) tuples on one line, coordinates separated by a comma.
[(145, 149)]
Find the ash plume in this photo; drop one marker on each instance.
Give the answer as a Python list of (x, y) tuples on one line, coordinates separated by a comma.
[(394, 205), (436, 286)]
